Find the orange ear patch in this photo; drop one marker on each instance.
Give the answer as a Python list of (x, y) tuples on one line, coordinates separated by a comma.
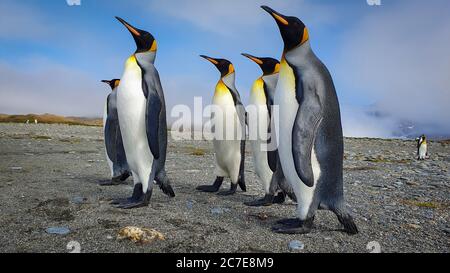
[(277, 69), (305, 36), (230, 69), (154, 46)]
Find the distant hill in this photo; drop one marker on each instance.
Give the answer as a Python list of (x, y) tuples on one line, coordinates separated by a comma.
[(51, 119)]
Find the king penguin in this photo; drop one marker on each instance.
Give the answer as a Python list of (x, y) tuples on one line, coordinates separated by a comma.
[(142, 114), (264, 153), (229, 151), (115, 153), (422, 148), (310, 132)]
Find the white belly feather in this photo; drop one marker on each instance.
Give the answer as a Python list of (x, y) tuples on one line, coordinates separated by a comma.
[(226, 147), (105, 116), (131, 105), (258, 127), (285, 97)]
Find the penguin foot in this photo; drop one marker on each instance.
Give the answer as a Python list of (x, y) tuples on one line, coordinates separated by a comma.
[(137, 200), (124, 176), (229, 192), (294, 226), (207, 188), (133, 204), (213, 188), (105, 183), (279, 198), (288, 221), (265, 201)]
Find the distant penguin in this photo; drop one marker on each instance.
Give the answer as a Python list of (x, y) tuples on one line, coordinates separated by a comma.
[(310, 132), (115, 153), (230, 153), (264, 156), (35, 121), (142, 114), (422, 148)]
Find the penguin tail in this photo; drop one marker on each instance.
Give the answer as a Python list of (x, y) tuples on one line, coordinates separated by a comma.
[(346, 219), (164, 184), (242, 185)]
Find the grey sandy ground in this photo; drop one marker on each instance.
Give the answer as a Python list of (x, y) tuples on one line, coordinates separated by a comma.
[(401, 203)]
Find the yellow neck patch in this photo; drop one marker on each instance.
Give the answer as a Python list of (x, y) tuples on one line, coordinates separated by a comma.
[(116, 83), (132, 59), (258, 90), (221, 89)]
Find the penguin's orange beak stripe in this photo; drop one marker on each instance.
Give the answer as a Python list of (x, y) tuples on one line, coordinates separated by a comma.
[(280, 19), (213, 61), (132, 30), (256, 60), (129, 27)]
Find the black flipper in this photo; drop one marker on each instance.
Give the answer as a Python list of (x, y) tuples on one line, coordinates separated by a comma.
[(152, 121), (111, 134), (241, 180), (271, 155), (307, 122)]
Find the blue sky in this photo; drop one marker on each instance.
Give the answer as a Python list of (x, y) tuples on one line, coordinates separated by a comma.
[(392, 58)]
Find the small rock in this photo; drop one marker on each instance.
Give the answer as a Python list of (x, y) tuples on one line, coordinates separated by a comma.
[(79, 200), (58, 230), (296, 245), (414, 226), (411, 183), (16, 168), (219, 210), (189, 204), (446, 230), (109, 237)]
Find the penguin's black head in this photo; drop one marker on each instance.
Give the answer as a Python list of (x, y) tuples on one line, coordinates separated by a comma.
[(269, 66), (112, 83), (144, 40), (225, 67), (293, 30)]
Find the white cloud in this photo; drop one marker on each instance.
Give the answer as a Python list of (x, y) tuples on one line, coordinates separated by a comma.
[(18, 21), (232, 16), (48, 87), (398, 57)]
